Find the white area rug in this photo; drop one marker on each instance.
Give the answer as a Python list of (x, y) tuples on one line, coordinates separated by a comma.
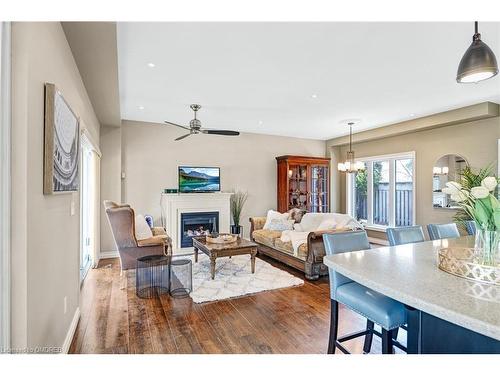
[(233, 278)]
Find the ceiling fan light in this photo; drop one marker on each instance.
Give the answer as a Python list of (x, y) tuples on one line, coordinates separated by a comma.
[(478, 62)]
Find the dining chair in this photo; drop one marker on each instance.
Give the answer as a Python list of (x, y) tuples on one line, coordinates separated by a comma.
[(440, 231), (470, 226), (375, 307), (405, 235)]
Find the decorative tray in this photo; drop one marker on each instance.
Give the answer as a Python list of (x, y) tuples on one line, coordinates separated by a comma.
[(223, 238), (463, 263)]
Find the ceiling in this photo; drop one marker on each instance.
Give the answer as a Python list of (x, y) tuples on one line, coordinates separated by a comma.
[(296, 79), (93, 45)]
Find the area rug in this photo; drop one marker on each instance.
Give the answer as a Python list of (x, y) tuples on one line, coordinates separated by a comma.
[(233, 278)]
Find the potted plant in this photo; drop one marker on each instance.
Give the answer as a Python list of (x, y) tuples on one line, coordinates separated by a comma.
[(238, 200), (475, 196)]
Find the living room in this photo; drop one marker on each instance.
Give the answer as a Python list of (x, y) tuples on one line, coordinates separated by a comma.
[(244, 190)]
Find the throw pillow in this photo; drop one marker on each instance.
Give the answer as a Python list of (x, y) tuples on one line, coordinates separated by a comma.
[(281, 224), (275, 215), (142, 229), (328, 224), (296, 214)]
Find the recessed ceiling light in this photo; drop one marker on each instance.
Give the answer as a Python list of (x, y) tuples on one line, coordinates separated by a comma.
[(151, 65), (314, 96), (260, 122), (412, 115), (141, 107)]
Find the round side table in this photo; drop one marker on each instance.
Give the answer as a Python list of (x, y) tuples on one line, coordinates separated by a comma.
[(181, 278), (152, 276)]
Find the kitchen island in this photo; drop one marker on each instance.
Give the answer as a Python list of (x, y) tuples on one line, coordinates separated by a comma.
[(446, 314)]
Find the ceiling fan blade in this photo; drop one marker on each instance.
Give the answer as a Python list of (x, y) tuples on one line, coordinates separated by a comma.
[(220, 132), (183, 136), (179, 126)]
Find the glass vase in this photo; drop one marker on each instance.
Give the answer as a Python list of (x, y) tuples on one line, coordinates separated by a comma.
[(487, 247)]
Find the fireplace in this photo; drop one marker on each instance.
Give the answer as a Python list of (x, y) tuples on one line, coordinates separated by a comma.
[(194, 224)]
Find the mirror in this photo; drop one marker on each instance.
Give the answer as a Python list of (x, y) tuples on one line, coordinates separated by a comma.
[(447, 168)]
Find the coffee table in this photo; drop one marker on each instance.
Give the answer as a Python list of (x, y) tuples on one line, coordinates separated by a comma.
[(214, 251)]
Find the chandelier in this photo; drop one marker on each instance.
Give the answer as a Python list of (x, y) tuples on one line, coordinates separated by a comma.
[(350, 165)]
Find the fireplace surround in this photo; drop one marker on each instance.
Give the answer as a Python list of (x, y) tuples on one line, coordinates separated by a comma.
[(173, 205)]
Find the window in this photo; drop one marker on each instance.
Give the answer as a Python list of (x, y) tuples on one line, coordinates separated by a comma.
[(382, 195)]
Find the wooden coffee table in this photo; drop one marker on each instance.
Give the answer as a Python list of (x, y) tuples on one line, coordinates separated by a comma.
[(214, 251)]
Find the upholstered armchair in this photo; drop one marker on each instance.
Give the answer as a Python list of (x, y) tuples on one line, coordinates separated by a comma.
[(122, 221)]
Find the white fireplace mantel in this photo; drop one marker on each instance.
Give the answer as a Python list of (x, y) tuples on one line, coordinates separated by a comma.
[(173, 205)]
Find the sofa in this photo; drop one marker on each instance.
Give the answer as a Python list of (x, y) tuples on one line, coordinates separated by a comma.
[(308, 256)]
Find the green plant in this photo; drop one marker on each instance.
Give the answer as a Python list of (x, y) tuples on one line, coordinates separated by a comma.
[(238, 200)]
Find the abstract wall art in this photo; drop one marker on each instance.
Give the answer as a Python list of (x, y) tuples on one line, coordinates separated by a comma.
[(61, 144)]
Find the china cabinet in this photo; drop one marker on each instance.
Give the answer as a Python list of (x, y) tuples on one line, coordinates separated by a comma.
[(303, 182)]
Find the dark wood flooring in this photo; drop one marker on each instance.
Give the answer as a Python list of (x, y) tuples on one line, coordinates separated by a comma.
[(293, 320)]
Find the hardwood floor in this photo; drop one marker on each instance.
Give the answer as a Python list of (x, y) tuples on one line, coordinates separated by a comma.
[(293, 320)]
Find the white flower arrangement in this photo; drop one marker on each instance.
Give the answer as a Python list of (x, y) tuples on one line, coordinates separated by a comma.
[(478, 202)]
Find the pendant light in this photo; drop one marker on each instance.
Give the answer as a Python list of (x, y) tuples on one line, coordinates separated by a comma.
[(478, 63), (350, 165)]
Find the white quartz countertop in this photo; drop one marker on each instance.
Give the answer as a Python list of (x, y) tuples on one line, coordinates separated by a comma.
[(409, 274)]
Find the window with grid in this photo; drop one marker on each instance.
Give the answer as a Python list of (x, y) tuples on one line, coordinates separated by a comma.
[(382, 195)]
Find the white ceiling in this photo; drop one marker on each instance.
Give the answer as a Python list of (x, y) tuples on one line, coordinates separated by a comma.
[(260, 77)]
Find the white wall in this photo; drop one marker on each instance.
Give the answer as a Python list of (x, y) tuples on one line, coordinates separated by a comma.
[(151, 157), (45, 237), (111, 161), (5, 145)]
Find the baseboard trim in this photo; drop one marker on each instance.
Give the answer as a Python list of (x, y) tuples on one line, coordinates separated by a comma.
[(109, 254), (71, 332)]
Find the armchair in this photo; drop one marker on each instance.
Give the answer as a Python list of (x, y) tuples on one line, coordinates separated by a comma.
[(122, 221)]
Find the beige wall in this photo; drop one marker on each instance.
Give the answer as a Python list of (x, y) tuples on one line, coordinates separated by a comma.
[(151, 157), (45, 237), (110, 145), (476, 141)]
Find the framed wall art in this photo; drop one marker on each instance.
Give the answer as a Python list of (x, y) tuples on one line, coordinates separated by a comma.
[(62, 129)]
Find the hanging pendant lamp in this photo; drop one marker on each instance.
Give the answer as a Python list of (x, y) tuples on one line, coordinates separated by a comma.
[(478, 63), (350, 165)]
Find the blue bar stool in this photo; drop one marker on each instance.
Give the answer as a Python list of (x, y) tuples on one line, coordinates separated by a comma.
[(470, 226), (405, 235), (375, 307), (440, 231)]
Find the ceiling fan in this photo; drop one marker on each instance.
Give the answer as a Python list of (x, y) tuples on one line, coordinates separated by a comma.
[(195, 126)]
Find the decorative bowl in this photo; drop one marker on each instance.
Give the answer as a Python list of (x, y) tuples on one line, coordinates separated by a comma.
[(223, 238), (462, 262)]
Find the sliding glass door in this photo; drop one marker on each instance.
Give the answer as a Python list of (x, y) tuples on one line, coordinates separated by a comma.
[(86, 211), (89, 204)]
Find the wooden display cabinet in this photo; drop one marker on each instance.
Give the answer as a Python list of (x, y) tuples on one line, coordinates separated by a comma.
[(303, 182)]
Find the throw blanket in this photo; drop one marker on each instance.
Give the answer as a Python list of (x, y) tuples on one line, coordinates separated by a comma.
[(298, 238)]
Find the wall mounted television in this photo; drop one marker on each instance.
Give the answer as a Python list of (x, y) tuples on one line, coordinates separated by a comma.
[(199, 179)]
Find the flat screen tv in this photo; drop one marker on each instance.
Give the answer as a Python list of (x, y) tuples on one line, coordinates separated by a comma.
[(199, 179)]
